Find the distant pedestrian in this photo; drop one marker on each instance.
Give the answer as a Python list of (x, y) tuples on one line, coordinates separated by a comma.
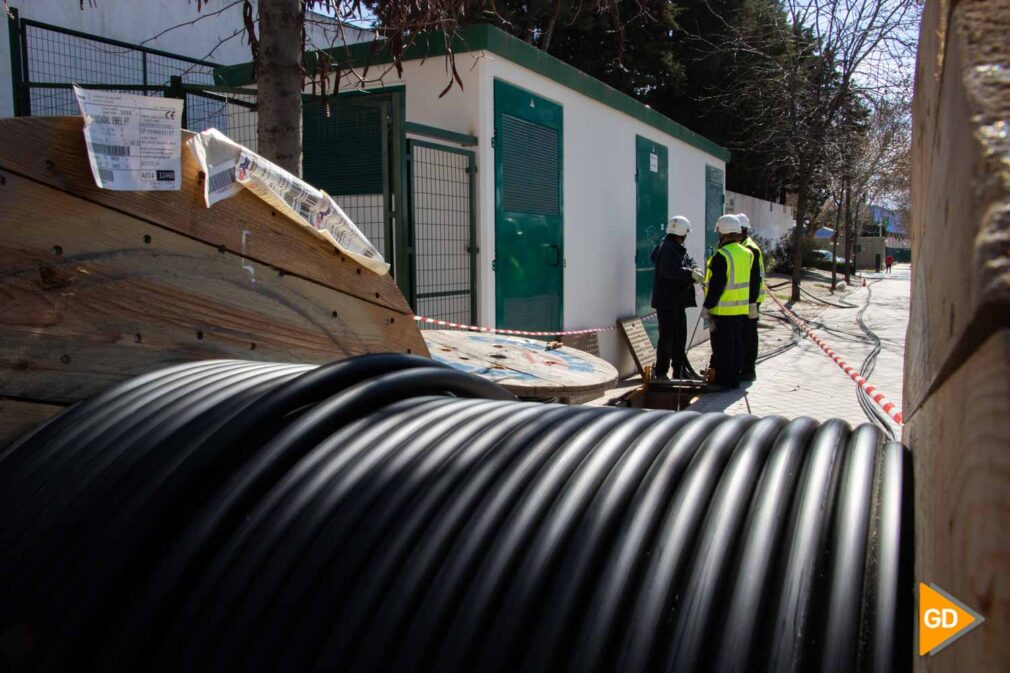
[(672, 292), (888, 261), (729, 300)]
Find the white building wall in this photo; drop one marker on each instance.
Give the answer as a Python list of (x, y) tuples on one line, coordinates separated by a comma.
[(599, 185), (769, 221), (218, 38)]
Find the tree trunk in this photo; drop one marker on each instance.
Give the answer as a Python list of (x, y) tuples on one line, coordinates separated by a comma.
[(798, 235), (854, 240), (848, 229), (834, 244), (279, 83), (545, 41)]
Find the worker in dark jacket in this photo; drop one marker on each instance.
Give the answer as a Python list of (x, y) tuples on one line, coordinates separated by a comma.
[(729, 300), (672, 292), (748, 371)]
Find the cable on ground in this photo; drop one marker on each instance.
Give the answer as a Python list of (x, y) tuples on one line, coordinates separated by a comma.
[(878, 398)]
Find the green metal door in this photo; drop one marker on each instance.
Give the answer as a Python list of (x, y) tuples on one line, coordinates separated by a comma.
[(651, 207), (715, 197), (529, 223)]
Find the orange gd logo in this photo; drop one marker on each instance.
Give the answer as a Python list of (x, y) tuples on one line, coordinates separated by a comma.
[(942, 619)]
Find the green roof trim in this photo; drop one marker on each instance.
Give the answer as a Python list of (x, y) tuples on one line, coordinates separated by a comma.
[(485, 37)]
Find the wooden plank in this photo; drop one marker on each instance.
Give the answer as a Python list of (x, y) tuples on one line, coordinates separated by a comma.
[(89, 296), (960, 190), (523, 366), (587, 343), (957, 359), (962, 499), (637, 339), (18, 417), (51, 150)]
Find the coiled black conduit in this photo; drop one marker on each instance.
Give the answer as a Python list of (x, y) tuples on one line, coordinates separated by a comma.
[(388, 513)]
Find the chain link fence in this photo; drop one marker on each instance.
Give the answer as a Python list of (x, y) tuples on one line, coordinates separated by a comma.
[(49, 59), (442, 211)]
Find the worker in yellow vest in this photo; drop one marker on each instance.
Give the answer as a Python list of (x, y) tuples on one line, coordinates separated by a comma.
[(748, 371), (728, 302)]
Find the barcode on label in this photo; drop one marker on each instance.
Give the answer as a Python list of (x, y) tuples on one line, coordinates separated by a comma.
[(106, 175), (111, 150), (222, 179)]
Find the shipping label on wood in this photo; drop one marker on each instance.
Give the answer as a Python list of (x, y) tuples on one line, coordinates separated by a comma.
[(639, 342), (134, 142)]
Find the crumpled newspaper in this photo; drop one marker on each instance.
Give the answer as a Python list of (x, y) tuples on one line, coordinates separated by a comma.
[(230, 167)]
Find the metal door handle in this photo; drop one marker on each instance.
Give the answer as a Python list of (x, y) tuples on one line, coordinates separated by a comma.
[(557, 254)]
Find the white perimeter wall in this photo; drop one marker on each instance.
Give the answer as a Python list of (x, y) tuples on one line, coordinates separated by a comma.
[(137, 21), (771, 221)]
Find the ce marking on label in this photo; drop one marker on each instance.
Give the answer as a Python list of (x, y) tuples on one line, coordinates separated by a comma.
[(170, 114)]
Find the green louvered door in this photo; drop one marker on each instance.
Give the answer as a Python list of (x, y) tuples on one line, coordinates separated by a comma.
[(651, 206), (345, 152), (529, 226)]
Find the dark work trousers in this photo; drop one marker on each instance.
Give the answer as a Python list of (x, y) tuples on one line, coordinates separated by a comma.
[(750, 348), (727, 349), (672, 341)]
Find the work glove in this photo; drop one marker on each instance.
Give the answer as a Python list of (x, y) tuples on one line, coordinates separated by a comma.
[(697, 275), (705, 314), (752, 311)]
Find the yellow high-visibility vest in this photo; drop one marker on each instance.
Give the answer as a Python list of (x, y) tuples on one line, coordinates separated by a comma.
[(759, 259), (736, 296)]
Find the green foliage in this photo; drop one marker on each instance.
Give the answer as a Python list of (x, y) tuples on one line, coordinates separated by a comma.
[(783, 259), (627, 46)]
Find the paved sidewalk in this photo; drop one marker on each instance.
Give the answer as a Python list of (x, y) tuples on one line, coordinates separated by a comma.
[(803, 381)]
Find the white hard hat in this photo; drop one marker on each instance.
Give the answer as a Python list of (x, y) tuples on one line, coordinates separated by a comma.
[(728, 224), (744, 220), (678, 225)]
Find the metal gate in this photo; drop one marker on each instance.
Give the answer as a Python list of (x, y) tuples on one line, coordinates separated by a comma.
[(442, 231)]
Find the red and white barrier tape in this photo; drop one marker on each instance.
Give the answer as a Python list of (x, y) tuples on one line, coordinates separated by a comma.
[(889, 408), (517, 332)]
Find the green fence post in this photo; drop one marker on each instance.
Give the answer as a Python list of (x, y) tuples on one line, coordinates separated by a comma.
[(176, 90), (18, 84)]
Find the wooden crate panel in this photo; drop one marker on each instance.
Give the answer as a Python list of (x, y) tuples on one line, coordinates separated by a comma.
[(18, 417), (90, 296), (961, 454), (960, 191)]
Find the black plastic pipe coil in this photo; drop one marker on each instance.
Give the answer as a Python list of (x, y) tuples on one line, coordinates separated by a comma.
[(387, 513)]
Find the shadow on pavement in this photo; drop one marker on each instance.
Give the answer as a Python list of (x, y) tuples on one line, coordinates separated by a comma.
[(718, 401)]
